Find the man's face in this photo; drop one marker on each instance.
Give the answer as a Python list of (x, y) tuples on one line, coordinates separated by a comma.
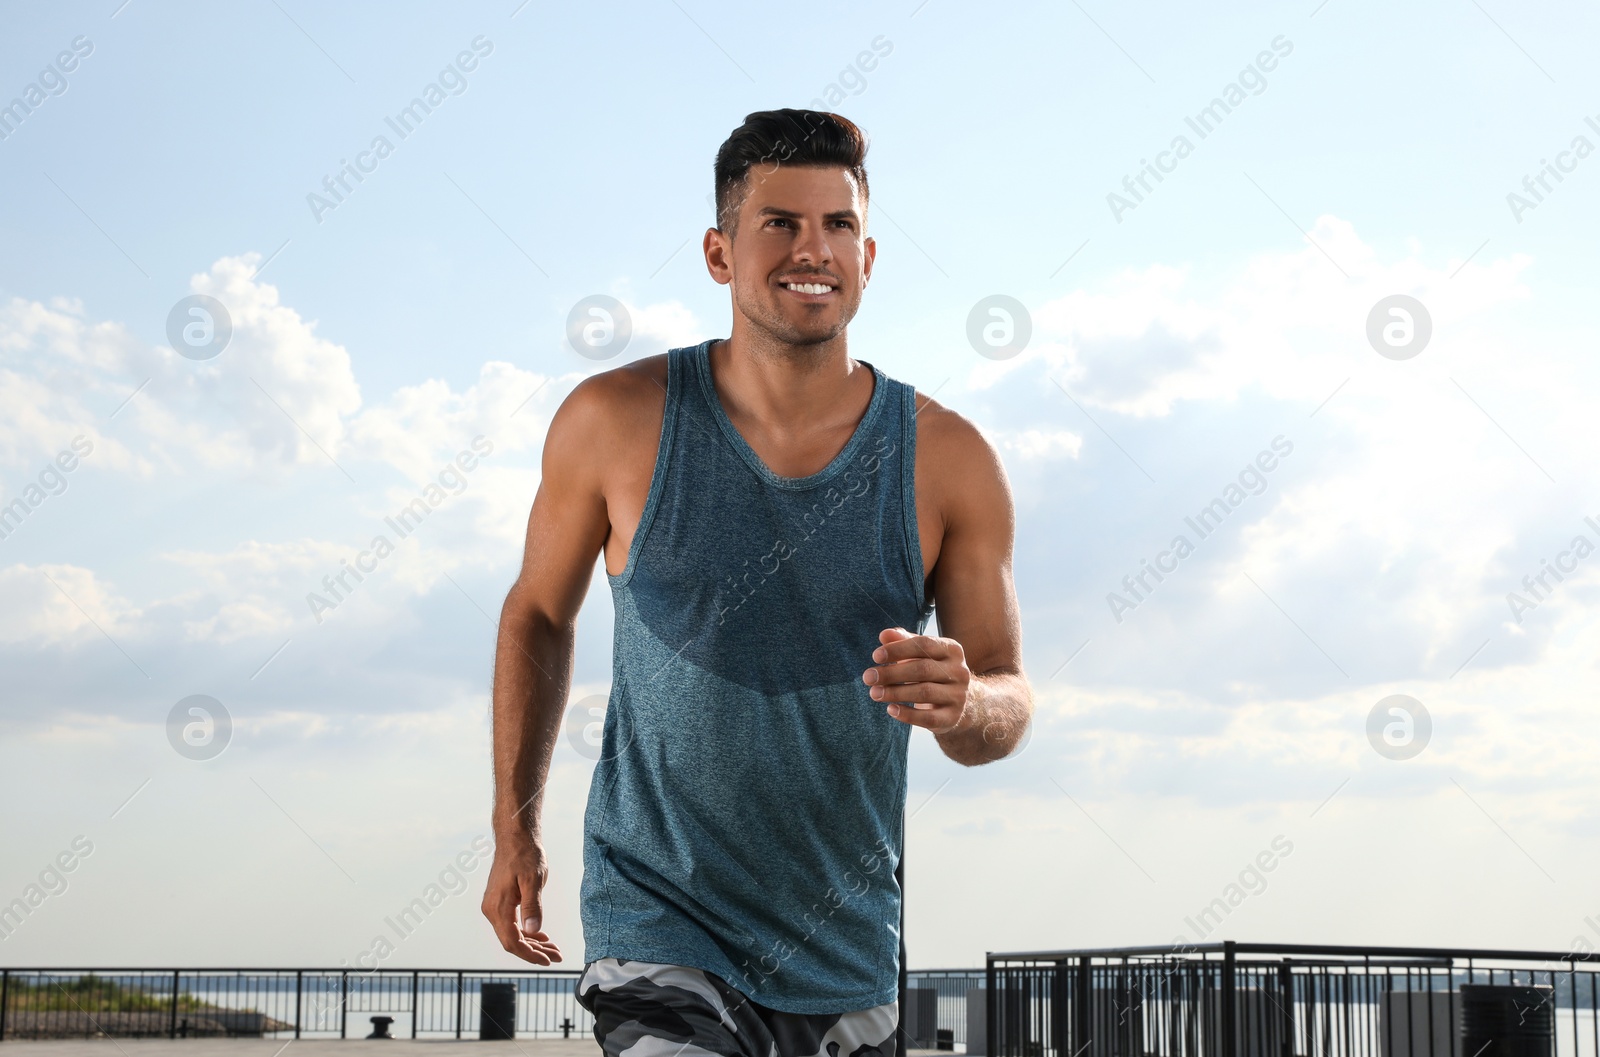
[(797, 225)]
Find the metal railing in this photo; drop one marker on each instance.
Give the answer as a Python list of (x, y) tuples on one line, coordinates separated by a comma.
[(278, 1003), (948, 990), (1272, 1000), (339, 1003)]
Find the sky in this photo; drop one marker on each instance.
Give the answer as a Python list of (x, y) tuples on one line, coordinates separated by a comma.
[(1347, 310)]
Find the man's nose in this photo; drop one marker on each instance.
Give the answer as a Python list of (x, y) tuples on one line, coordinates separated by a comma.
[(812, 247)]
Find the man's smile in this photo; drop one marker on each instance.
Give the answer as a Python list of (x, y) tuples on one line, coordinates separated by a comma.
[(810, 291)]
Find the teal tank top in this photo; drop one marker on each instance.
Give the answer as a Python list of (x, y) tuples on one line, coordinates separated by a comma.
[(745, 814)]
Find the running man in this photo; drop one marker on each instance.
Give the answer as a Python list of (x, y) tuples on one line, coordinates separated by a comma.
[(777, 521)]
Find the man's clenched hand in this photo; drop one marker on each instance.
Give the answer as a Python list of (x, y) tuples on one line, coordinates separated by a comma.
[(924, 679)]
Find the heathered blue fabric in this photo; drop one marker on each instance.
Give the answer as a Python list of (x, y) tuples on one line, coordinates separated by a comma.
[(745, 815)]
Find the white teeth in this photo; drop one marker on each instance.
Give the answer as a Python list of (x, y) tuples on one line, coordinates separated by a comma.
[(809, 288)]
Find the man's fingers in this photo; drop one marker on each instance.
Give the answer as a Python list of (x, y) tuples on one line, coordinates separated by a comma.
[(533, 947), (913, 646), (916, 670), (529, 882), (936, 718), (890, 636), (935, 694), (512, 939), (541, 943), (536, 955), (530, 919), (532, 938), (543, 948)]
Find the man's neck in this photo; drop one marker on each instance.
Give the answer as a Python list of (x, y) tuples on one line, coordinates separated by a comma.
[(788, 389)]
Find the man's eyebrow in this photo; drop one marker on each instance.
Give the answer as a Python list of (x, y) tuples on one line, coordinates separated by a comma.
[(838, 214)]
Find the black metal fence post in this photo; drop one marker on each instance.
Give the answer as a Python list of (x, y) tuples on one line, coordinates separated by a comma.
[(344, 1000), (1083, 1008), (5, 1000), (1429, 1000), (991, 1027), (173, 1026), (299, 988), (900, 882), (415, 1015), (1286, 1013), (1059, 1030), (1572, 982), (1230, 1038), (459, 985)]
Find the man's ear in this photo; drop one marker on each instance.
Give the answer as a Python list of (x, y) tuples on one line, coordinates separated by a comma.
[(718, 251)]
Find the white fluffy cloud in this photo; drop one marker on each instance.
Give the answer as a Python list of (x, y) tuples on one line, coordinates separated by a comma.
[(210, 435), (53, 605), (1288, 324)]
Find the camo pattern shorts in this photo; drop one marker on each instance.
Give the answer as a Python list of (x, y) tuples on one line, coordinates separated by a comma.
[(647, 1009)]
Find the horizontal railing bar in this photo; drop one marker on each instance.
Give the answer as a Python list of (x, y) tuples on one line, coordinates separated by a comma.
[(291, 970), (338, 969), (977, 969), (1169, 950)]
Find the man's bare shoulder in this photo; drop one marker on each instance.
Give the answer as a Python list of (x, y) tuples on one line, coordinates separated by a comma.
[(619, 398), (957, 447), (624, 390), (963, 470), (611, 414)]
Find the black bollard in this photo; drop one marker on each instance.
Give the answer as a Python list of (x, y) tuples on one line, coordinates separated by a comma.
[(497, 1006)]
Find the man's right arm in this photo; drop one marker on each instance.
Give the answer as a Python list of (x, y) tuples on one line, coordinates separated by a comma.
[(567, 528)]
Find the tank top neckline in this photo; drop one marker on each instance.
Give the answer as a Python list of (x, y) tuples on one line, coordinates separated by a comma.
[(880, 388)]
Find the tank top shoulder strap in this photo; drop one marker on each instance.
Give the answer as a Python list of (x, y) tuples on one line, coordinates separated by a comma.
[(906, 409), (670, 429)]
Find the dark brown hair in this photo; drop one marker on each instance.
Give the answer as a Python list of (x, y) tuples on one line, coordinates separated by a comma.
[(769, 138)]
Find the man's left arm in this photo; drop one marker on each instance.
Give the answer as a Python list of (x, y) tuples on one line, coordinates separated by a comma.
[(966, 684)]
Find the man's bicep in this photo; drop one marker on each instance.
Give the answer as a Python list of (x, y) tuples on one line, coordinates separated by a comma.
[(568, 523), (974, 593)]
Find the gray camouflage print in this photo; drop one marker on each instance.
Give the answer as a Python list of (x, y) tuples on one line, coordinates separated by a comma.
[(648, 1009)]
